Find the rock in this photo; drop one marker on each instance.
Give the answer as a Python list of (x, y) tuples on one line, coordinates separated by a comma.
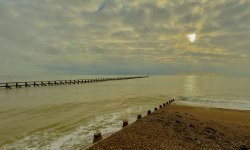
[(177, 121), (160, 120), (210, 130), (178, 116), (192, 126), (199, 142), (244, 147), (213, 137)]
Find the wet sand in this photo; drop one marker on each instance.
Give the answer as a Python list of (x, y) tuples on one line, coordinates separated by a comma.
[(183, 127)]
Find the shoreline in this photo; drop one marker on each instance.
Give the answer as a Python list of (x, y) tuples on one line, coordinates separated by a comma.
[(183, 127)]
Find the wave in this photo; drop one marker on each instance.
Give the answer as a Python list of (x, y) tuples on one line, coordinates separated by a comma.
[(228, 103)]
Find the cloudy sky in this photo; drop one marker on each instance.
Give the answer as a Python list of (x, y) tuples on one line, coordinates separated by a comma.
[(124, 37)]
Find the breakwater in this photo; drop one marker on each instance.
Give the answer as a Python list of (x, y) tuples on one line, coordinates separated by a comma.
[(98, 135), (10, 85)]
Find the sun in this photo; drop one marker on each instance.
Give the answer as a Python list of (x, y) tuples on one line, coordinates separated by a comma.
[(192, 37)]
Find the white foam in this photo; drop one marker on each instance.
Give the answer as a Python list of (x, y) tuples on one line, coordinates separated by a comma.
[(238, 104), (76, 139)]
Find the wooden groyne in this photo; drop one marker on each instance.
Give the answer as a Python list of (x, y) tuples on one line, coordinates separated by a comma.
[(10, 85), (98, 135)]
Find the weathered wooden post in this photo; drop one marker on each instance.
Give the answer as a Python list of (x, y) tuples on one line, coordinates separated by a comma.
[(160, 106), (7, 86), (155, 108), (149, 112), (164, 104), (138, 117), (125, 123), (97, 137), (17, 86), (26, 84)]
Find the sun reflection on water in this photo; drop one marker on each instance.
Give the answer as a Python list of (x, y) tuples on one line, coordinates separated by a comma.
[(190, 85)]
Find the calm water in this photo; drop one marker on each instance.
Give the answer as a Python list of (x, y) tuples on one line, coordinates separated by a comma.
[(66, 117)]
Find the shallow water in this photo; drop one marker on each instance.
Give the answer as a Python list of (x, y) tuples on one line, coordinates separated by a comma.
[(66, 117)]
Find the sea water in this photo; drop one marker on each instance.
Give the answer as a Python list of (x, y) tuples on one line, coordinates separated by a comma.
[(66, 117)]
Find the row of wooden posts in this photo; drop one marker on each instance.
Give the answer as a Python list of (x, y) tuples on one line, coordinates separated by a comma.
[(98, 134), (10, 85)]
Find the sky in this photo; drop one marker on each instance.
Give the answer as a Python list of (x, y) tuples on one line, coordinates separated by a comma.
[(124, 37)]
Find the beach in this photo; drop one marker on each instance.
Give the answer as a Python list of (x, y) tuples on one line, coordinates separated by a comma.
[(183, 127), (72, 70)]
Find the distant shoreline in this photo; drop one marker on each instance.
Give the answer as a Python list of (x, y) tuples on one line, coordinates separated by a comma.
[(184, 127)]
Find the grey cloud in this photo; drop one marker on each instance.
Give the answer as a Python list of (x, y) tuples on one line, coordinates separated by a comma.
[(190, 18), (125, 36)]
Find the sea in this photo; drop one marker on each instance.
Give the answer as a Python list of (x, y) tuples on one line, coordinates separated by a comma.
[(66, 117)]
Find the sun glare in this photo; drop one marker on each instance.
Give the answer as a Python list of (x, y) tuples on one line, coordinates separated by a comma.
[(191, 37)]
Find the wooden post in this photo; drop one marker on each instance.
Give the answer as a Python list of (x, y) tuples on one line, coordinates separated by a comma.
[(43, 84), (34, 84), (149, 112), (7, 86), (164, 104), (17, 86), (138, 117), (97, 137), (26, 84), (160, 106), (125, 123), (155, 108)]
